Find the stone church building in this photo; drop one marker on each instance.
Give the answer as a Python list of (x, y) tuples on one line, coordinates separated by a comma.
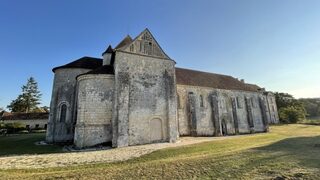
[(135, 95)]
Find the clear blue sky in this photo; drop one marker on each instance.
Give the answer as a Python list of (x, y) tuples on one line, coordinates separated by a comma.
[(275, 44)]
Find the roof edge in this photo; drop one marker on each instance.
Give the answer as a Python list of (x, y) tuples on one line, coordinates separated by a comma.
[(82, 58)]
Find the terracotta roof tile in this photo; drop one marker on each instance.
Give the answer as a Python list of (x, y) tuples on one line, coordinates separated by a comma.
[(205, 79)]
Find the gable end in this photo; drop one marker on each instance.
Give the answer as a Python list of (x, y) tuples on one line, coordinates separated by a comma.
[(145, 44)]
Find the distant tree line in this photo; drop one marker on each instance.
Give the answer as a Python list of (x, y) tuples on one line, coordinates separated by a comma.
[(312, 106)]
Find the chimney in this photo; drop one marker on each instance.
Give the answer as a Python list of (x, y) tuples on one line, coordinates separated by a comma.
[(107, 56)]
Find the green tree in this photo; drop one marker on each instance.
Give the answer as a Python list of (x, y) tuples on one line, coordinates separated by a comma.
[(312, 106), (291, 114), (290, 109), (41, 109), (28, 100)]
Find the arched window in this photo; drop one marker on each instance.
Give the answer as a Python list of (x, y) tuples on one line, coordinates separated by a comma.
[(63, 112)]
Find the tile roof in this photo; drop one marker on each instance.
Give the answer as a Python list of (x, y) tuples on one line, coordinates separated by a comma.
[(127, 40), (205, 79), (106, 69), (84, 62)]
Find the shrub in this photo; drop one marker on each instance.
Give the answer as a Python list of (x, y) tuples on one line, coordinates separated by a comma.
[(291, 114), (14, 127), (2, 125)]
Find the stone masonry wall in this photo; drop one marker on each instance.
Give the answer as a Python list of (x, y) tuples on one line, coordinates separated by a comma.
[(272, 106), (145, 100), (63, 93), (228, 107), (95, 97)]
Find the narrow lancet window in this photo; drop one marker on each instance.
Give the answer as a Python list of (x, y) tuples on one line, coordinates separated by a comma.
[(239, 105), (63, 113), (201, 101)]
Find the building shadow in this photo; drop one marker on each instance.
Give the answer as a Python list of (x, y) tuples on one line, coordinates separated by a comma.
[(304, 150)]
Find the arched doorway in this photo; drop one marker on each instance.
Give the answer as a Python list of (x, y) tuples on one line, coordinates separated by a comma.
[(224, 130), (156, 130)]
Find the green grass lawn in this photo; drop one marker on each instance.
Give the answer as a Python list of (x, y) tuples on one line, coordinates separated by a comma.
[(288, 151), (311, 121), (25, 144)]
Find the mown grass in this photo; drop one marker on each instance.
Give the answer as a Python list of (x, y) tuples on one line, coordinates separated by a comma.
[(311, 121), (288, 151), (25, 144)]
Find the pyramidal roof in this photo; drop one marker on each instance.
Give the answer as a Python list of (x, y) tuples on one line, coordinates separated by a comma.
[(143, 44), (108, 50)]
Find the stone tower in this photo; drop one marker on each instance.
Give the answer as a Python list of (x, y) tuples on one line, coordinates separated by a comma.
[(145, 98), (63, 114)]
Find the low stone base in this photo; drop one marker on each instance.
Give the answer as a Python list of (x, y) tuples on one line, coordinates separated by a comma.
[(91, 135)]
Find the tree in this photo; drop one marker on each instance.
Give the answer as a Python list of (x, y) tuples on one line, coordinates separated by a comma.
[(43, 109), (290, 109), (28, 100), (312, 106), (1, 113), (291, 114)]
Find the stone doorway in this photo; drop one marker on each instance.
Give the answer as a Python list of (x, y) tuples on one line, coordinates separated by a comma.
[(224, 131), (156, 134)]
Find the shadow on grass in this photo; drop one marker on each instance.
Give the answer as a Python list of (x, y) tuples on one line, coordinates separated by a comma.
[(25, 144), (304, 150)]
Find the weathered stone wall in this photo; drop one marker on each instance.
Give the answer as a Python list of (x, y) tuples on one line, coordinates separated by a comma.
[(206, 111), (273, 110), (30, 122), (94, 105), (145, 100), (63, 93)]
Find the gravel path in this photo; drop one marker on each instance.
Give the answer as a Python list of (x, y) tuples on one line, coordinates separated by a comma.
[(89, 157)]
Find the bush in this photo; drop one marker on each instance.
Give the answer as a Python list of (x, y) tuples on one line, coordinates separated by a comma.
[(291, 114), (14, 127), (2, 125)]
